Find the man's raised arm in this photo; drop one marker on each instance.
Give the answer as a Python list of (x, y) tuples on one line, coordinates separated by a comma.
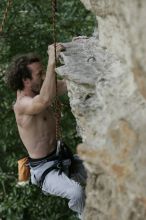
[(34, 105)]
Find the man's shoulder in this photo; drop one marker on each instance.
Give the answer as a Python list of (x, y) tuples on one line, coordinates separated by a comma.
[(20, 103), (20, 115)]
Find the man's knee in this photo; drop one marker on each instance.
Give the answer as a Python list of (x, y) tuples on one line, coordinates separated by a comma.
[(77, 193), (77, 199)]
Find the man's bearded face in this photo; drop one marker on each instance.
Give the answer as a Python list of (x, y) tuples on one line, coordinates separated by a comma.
[(37, 77)]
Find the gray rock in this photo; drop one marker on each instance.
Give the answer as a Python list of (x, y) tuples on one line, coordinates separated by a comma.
[(106, 80)]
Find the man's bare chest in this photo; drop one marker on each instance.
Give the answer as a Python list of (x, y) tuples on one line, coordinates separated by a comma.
[(44, 118)]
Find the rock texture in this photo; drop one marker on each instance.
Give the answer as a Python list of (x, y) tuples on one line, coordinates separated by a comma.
[(106, 79)]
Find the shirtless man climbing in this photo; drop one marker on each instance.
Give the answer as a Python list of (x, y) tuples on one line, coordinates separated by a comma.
[(35, 120), (36, 125)]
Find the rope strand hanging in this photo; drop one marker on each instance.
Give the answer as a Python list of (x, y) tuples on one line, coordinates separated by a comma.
[(57, 102), (9, 3)]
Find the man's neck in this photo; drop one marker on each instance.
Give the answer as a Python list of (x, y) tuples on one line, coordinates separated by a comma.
[(26, 92)]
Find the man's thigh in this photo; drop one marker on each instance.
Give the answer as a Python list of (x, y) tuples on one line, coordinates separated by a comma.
[(60, 185)]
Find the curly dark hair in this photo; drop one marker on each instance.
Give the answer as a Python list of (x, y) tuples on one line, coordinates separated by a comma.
[(18, 70)]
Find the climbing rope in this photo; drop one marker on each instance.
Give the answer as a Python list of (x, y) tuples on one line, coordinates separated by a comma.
[(9, 3), (57, 102)]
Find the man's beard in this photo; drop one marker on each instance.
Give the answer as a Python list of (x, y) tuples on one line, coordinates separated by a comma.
[(36, 89), (35, 92)]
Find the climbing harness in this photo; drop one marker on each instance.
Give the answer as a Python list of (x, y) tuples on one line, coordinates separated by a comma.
[(5, 15), (61, 162)]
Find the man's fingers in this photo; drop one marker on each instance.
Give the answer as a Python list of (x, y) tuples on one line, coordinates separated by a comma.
[(59, 48), (57, 45), (80, 38)]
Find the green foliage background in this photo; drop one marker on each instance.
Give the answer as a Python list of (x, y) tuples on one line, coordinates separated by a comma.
[(29, 29)]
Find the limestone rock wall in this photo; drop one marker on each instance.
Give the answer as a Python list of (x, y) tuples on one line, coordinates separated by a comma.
[(106, 79)]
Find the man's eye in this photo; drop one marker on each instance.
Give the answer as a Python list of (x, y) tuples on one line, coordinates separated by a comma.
[(40, 73)]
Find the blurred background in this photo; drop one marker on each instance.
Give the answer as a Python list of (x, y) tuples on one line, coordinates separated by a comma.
[(28, 28)]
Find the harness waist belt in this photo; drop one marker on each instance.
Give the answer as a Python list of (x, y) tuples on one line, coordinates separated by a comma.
[(59, 166), (38, 161), (63, 159)]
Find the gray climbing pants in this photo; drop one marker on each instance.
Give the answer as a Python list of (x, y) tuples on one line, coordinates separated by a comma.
[(61, 185)]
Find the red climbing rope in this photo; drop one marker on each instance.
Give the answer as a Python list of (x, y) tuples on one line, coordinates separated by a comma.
[(57, 102)]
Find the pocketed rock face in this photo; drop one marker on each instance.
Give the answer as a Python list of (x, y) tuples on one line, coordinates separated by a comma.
[(106, 79)]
